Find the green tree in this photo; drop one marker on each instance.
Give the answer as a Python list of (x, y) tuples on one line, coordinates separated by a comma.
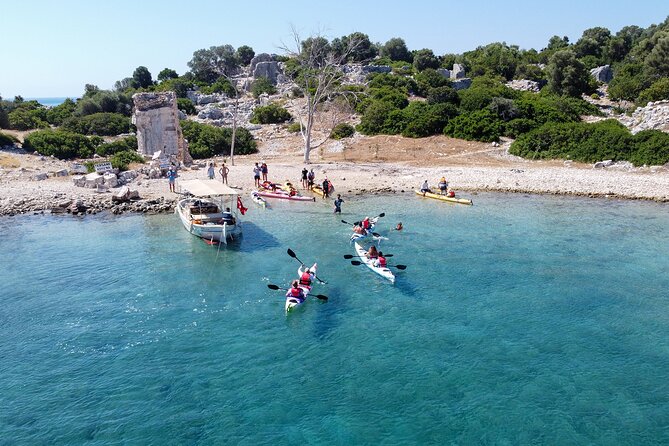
[(206, 141), (658, 91), (60, 144), (270, 114), (428, 79), (90, 90), (56, 115), (245, 54), (186, 106), (166, 74), (317, 48), (480, 125), (142, 77), (567, 75), (207, 65), (495, 59), (425, 58), (179, 85), (628, 82), (593, 42), (658, 59), (396, 49), (101, 124)]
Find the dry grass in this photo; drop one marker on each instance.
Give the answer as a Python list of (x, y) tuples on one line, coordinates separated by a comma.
[(9, 161)]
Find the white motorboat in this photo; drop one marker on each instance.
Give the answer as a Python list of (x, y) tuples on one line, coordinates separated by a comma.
[(206, 213)]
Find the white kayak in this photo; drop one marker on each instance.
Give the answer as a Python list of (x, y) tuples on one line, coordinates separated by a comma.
[(372, 223), (292, 302), (383, 272), (257, 199)]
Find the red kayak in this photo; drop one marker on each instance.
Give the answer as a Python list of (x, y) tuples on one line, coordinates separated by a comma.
[(284, 196)]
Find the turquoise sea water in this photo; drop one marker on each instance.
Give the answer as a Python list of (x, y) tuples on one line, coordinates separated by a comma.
[(51, 102), (520, 320)]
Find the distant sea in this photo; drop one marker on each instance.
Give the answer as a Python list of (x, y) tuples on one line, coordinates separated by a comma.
[(520, 320), (51, 102)]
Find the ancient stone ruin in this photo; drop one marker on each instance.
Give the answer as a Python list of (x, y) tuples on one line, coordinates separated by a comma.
[(156, 117)]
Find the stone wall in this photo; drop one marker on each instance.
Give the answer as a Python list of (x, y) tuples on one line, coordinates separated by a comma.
[(157, 120)]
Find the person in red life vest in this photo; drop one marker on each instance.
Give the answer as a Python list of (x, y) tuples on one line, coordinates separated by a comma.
[(451, 193), (380, 261), (296, 292), (365, 223), (306, 277)]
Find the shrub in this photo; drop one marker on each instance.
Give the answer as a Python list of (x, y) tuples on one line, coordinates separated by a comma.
[(270, 114), (7, 140), (650, 147), (342, 130), (59, 143), (186, 106), (422, 119), (429, 79), (481, 125), (262, 85), (121, 160), (373, 121), (58, 114), (128, 144), (578, 141), (658, 91), (396, 98), (102, 124), (206, 141), (23, 118), (222, 85), (293, 127)]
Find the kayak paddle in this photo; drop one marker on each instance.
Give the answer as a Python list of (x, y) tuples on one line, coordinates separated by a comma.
[(292, 254), (276, 287), (349, 256), (355, 262)]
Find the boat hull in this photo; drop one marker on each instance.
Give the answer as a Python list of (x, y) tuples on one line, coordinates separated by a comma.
[(383, 272), (444, 198)]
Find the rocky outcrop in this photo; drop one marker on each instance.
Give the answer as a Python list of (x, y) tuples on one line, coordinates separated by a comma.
[(262, 57), (654, 116), (198, 98), (462, 84), (269, 69), (458, 71), (157, 120), (602, 74), (524, 85)]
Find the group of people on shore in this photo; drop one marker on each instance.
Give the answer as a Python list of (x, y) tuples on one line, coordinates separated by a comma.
[(443, 188)]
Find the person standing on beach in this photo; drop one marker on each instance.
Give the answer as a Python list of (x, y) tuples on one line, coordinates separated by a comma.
[(326, 188), (337, 204), (310, 178), (256, 175), (305, 172), (210, 171), (171, 177), (224, 173), (263, 169)]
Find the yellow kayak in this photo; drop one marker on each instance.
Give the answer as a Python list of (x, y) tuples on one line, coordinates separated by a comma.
[(317, 190), (444, 197)]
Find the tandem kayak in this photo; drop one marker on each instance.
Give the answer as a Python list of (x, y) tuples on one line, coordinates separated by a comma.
[(257, 199), (372, 223), (383, 272), (444, 197), (284, 196), (292, 302)]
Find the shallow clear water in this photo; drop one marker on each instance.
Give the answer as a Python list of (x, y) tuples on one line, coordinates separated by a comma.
[(520, 320)]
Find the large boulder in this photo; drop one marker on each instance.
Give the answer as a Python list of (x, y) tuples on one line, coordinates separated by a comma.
[(602, 74), (458, 71), (269, 69), (462, 84), (262, 57)]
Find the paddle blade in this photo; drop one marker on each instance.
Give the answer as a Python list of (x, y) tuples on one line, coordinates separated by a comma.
[(321, 297), (291, 253), (382, 214), (271, 286), (348, 256), (355, 262), (401, 266), (376, 234), (347, 223)]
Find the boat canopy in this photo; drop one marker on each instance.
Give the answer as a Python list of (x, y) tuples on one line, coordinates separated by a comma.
[(202, 188)]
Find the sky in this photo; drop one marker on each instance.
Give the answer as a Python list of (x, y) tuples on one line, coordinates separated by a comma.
[(53, 48)]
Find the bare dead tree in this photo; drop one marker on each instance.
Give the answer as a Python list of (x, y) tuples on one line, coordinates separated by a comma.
[(318, 78)]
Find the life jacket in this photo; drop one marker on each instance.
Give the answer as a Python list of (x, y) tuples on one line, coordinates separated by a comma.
[(451, 194), (382, 261), (305, 279), (296, 292), (365, 224)]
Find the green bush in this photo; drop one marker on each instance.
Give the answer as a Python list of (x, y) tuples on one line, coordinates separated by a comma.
[(293, 127), (396, 98), (429, 79), (127, 144), (206, 141), (651, 147), (270, 114), (186, 106), (103, 101), (262, 85), (376, 118), (61, 144), (658, 91), (58, 114), (102, 124), (342, 130), (180, 86), (24, 118), (480, 125), (578, 141), (222, 85), (7, 140), (121, 160)]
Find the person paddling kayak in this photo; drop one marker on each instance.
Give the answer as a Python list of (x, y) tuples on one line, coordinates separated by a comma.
[(380, 261), (307, 277), (296, 292)]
